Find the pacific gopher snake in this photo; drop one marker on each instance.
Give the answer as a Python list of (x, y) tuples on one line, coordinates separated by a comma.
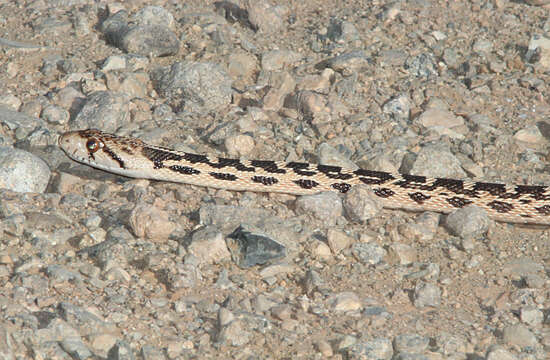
[(134, 158)]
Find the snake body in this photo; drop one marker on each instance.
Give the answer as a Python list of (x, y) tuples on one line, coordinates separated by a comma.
[(134, 158)]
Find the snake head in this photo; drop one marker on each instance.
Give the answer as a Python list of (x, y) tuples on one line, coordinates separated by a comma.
[(94, 147)]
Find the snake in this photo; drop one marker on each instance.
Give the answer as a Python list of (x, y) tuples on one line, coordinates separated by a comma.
[(134, 158)]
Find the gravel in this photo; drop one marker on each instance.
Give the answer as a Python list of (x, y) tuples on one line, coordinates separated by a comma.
[(97, 266)]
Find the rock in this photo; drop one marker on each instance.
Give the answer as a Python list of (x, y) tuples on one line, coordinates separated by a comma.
[(518, 335), (426, 294), (277, 60), (22, 171), (337, 240), (234, 334), (193, 85), (345, 301), (281, 84), (250, 247), (347, 63), (411, 343), (154, 15), (499, 353), (149, 222), (468, 222), (239, 145), (439, 117), (105, 110), (325, 206), (265, 17), (377, 348), (361, 204), (209, 246), (368, 253), (436, 161), (398, 107), (155, 40), (530, 315)]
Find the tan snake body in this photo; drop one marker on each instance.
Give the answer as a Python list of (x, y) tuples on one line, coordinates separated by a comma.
[(132, 157)]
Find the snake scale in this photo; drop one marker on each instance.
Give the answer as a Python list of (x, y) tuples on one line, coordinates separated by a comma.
[(131, 157)]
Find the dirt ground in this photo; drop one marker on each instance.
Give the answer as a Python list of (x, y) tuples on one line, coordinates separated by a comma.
[(98, 266)]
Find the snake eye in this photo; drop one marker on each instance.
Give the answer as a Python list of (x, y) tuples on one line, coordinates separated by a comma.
[(93, 145)]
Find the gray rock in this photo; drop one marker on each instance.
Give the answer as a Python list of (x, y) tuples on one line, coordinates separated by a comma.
[(313, 282), (449, 344), (84, 320), (409, 356), (426, 294), (22, 171), (105, 110), (348, 63), (499, 353), (155, 40), (193, 85), (325, 206), (59, 273), (435, 117), (342, 32), (234, 334), (345, 301), (265, 17), (378, 348), (75, 347), (398, 107), (368, 253), (154, 15), (149, 352), (121, 351), (468, 222), (250, 247), (410, 343), (328, 155), (519, 335), (422, 65), (208, 245), (277, 60), (521, 267), (530, 315), (436, 161), (22, 123), (361, 204), (56, 115)]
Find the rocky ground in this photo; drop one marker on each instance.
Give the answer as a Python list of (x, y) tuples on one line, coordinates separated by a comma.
[(96, 266)]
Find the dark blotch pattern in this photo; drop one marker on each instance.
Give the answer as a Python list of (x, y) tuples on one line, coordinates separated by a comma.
[(306, 183), (196, 158), (458, 202), (371, 177), (342, 187), (419, 197), (223, 176), (493, 189), (500, 206), (414, 178), (384, 192), (186, 170), (333, 172), (268, 166), (299, 168), (536, 192), (113, 156), (159, 155), (265, 180), (543, 210), (235, 163)]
